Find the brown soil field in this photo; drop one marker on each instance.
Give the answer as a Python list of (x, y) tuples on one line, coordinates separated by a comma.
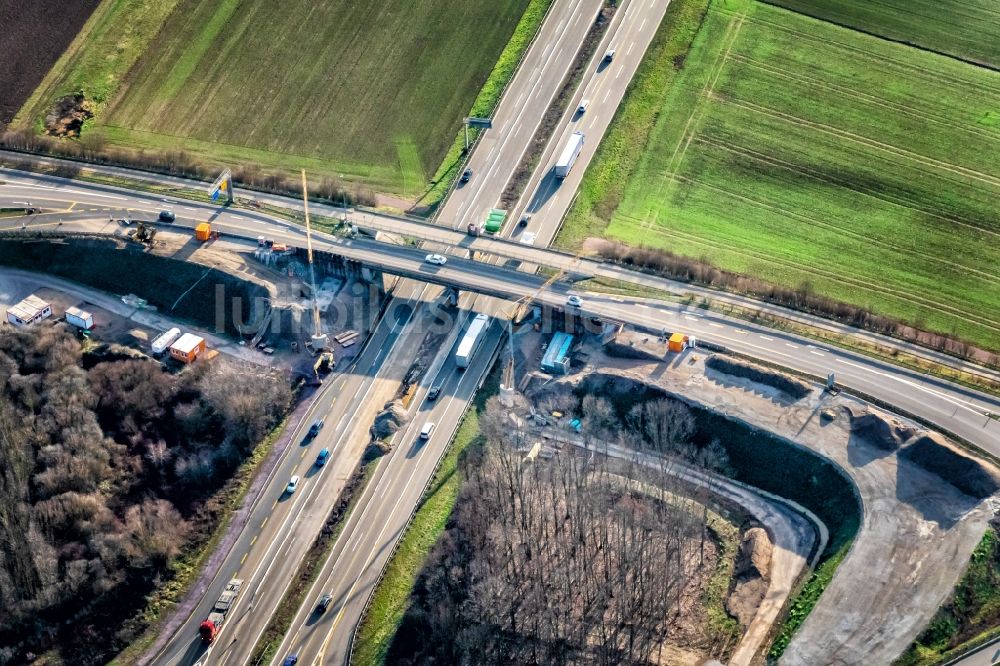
[(33, 37)]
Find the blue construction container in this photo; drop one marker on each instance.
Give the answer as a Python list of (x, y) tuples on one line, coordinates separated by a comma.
[(556, 359)]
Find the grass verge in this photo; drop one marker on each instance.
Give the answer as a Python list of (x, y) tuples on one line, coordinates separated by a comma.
[(312, 564), (487, 100), (389, 600)]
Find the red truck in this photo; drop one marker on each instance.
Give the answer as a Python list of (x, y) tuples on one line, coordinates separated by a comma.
[(209, 629)]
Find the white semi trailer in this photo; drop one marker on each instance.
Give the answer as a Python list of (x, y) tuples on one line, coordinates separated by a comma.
[(569, 154), (471, 341)]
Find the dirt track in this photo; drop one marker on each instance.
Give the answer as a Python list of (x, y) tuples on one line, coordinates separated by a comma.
[(916, 536)]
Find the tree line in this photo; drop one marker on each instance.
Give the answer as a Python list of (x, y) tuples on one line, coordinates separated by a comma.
[(565, 560), (108, 464)]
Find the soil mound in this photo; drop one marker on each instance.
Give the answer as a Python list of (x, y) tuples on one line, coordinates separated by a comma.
[(885, 433), (68, 115), (790, 386), (969, 475), (751, 574), (389, 420)]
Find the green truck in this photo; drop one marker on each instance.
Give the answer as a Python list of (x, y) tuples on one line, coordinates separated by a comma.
[(494, 220)]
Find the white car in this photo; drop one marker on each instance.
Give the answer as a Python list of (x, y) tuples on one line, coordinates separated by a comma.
[(575, 301), (436, 259), (583, 106), (528, 238), (293, 483)]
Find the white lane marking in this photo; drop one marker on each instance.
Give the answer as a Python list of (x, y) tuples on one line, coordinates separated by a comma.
[(642, 25), (359, 540), (957, 403), (789, 344), (94, 194), (605, 97), (629, 50), (37, 187), (690, 318), (641, 305), (858, 366), (618, 72), (764, 337), (815, 352), (712, 323)]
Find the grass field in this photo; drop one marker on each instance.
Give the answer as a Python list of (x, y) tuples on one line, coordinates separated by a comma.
[(372, 91), (967, 29), (815, 156)]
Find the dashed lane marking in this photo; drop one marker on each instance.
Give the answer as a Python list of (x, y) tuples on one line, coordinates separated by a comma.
[(244, 558), (764, 337), (264, 523)]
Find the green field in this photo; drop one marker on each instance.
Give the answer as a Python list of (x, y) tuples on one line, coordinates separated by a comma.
[(968, 29), (371, 91), (810, 155)]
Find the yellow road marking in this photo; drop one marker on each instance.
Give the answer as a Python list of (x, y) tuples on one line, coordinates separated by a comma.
[(303, 454), (273, 505), (264, 523), (244, 558), (254, 539), (71, 207)]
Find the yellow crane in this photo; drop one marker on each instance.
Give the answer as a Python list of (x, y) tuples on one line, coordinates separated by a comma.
[(318, 338)]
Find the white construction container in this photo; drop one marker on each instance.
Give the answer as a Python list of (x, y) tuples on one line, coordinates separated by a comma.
[(162, 342), (79, 318)]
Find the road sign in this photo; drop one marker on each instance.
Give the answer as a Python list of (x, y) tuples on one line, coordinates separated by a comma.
[(222, 185), (485, 123)]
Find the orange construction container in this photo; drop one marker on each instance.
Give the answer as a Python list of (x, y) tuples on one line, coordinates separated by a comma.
[(203, 231), (677, 342)]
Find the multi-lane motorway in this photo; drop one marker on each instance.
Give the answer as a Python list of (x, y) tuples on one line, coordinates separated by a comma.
[(281, 529)]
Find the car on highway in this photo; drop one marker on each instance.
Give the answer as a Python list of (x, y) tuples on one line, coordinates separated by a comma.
[(436, 259), (609, 55), (582, 109), (434, 392), (324, 455), (324, 603), (528, 238), (315, 428), (425, 432), (290, 660), (574, 301), (525, 219), (167, 216), (293, 483), (466, 176)]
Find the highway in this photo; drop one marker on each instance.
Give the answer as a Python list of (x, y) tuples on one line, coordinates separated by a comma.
[(282, 527), (520, 110), (369, 536), (268, 554)]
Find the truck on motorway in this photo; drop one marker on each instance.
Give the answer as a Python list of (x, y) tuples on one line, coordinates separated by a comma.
[(494, 220), (471, 341), (164, 340), (209, 629), (569, 154)]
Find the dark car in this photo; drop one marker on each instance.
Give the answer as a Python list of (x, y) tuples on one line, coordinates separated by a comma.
[(324, 603), (315, 427), (291, 660), (434, 392), (466, 175), (167, 216), (525, 219)]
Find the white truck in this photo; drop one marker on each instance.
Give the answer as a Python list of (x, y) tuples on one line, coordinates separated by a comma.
[(164, 340), (569, 154), (471, 341)]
